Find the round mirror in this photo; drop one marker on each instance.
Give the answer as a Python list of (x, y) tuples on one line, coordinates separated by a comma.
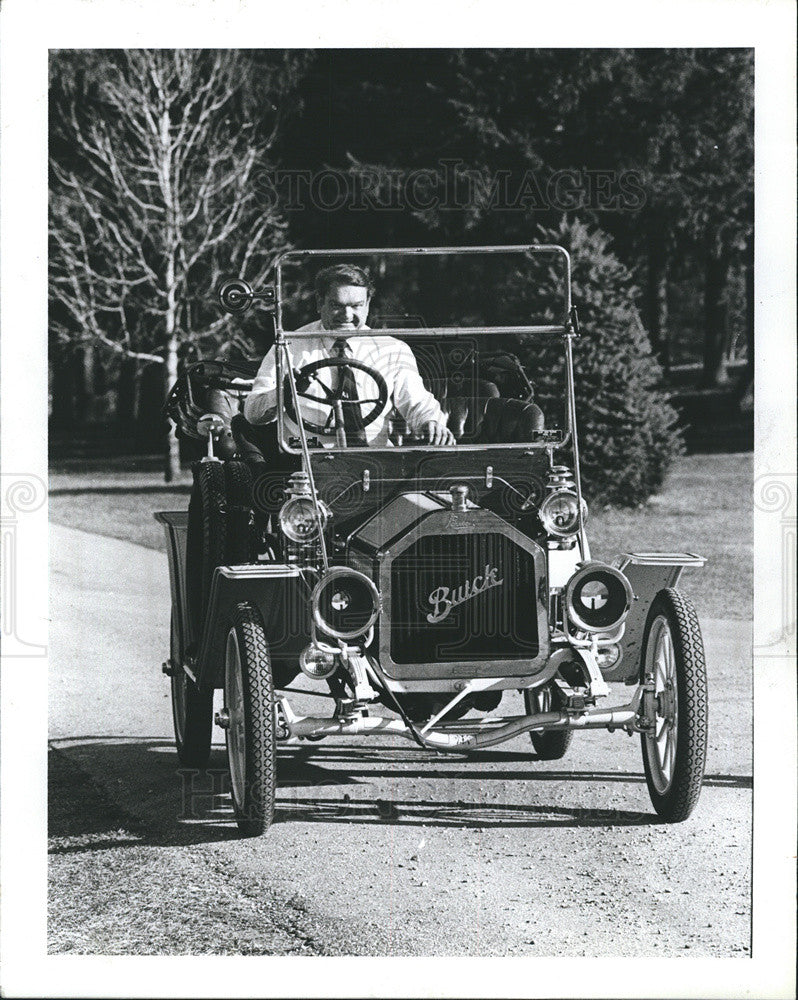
[(235, 295)]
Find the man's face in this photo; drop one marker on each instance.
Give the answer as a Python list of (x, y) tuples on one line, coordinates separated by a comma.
[(344, 307)]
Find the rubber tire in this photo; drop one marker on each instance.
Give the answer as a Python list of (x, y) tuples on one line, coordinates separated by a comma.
[(206, 539), (675, 802), (219, 532), (552, 745), (251, 732), (192, 712), (238, 530)]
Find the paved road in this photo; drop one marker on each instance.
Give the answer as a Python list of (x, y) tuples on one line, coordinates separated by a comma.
[(378, 849)]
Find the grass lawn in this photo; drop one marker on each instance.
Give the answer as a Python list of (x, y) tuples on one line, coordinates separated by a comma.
[(705, 507), (118, 515)]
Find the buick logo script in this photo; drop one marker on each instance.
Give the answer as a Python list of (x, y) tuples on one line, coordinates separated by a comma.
[(443, 599)]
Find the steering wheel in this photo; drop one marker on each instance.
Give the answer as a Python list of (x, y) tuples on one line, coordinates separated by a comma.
[(333, 398)]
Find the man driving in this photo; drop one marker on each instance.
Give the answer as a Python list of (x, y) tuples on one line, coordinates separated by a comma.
[(343, 297)]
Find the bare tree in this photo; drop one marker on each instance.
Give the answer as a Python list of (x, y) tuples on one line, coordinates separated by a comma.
[(154, 193)]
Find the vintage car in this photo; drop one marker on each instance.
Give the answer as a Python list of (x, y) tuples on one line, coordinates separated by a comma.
[(417, 587)]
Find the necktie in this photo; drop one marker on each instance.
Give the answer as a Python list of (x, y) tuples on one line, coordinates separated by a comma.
[(347, 387)]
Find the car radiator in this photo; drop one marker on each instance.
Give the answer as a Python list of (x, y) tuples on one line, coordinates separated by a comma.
[(463, 592)]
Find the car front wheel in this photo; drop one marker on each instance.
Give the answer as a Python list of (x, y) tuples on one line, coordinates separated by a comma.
[(675, 748), (249, 704)]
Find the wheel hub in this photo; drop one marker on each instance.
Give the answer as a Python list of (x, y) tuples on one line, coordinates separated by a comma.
[(666, 703)]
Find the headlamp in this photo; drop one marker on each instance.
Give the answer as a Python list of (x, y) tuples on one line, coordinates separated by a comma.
[(608, 656), (316, 663), (598, 597), (559, 513), (298, 519), (345, 603)]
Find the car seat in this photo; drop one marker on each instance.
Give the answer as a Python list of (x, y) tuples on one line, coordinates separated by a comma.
[(505, 421), (271, 468), (464, 405), (491, 419)]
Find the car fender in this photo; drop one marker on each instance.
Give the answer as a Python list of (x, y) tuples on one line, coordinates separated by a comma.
[(281, 595), (648, 573)]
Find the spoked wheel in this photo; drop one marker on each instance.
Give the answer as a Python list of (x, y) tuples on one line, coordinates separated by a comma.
[(192, 711), (674, 754), (550, 745), (249, 702)]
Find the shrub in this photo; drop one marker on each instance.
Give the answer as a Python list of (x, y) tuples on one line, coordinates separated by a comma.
[(627, 428)]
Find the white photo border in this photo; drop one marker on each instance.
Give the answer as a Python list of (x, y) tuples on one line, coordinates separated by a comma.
[(29, 29)]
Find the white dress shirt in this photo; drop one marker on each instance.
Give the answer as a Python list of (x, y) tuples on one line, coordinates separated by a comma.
[(392, 358)]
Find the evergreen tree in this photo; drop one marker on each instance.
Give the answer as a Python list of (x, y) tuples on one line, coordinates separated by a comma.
[(628, 433)]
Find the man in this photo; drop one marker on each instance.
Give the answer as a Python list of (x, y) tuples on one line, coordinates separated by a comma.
[(343, 297)]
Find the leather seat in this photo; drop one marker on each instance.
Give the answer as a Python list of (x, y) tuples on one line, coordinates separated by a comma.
[(271, 468), (464, 404), (255, 442), (508, 421)]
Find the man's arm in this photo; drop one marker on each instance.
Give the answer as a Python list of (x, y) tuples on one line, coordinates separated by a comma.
[(421, 410), (260, 406)]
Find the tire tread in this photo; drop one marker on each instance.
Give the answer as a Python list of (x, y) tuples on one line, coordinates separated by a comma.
[(261, 778), (678, 802), (238, 486), (552, 744), (194, 749), (207, 537)]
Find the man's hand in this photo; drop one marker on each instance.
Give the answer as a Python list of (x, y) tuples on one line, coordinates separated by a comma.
[(437, 433)]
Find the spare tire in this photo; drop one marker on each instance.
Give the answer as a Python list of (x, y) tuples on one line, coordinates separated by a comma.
[(238, 536), (219, 533), (205, 540)]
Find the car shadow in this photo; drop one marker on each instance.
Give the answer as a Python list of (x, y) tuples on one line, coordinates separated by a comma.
[(111, 793), (300, 763), (459, 813)]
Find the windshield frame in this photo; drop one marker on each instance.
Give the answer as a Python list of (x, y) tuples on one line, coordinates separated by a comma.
[(568, 332), (284, 337)]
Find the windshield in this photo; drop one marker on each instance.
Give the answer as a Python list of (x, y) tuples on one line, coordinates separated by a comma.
[(419, 349)]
